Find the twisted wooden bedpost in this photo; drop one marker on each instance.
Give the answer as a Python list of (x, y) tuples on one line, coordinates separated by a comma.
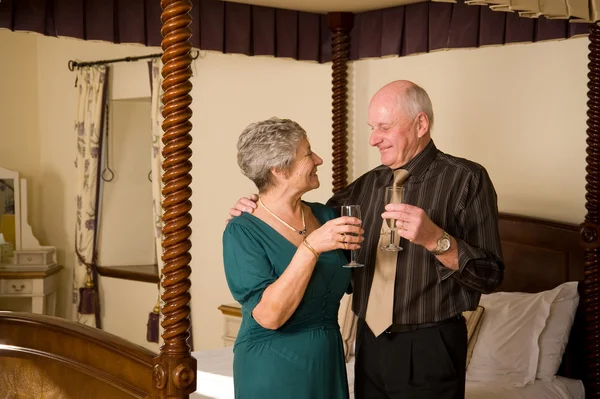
[(340, 25), (175, 368), (591, 227)]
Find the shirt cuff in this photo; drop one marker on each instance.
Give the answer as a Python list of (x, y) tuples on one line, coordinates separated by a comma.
[(466, 253)]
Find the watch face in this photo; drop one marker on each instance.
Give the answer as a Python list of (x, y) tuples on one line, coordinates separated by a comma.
[(445, 244)]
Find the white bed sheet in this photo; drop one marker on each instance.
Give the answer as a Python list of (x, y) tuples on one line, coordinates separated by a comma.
[(215, 381)]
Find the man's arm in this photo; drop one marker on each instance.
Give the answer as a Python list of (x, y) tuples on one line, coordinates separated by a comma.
[(475, 255), (479, 264)]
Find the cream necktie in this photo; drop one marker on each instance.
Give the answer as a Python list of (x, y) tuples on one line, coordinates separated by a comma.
[(380, 308)]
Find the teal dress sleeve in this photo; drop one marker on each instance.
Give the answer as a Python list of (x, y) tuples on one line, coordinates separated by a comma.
[(248, 270)]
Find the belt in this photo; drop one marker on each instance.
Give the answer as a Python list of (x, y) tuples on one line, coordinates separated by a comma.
[(400, 328)]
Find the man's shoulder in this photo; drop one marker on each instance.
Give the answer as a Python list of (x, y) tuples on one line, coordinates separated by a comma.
[(371, 175), (463, 164), (317, 206)]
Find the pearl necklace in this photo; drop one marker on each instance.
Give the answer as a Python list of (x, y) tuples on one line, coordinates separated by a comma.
[(301, 232)]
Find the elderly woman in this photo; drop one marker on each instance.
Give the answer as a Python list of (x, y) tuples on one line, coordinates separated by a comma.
[(283, 264)]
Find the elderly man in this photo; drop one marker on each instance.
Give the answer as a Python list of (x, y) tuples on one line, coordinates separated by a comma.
[(411, 337)]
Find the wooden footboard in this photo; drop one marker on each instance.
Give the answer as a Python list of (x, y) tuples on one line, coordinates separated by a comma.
[(48, 357)]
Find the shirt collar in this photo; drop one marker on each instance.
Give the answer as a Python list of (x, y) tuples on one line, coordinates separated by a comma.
[(421, 162)]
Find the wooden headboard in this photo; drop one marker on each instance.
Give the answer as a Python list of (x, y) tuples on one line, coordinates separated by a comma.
[(540, 255)]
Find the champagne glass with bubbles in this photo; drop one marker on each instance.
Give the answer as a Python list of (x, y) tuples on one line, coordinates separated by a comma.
[(353, 211), (393, 195)]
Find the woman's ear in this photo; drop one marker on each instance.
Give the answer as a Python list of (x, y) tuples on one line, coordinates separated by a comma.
[(278, 173)]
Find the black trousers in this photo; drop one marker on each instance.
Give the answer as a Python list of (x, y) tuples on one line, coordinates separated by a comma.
[(421, 364)]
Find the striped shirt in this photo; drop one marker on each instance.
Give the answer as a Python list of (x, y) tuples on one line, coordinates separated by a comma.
[(459, 197)]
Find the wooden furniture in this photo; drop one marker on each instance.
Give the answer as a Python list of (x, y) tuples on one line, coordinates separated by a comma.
[(39, 285), (84, 362), (145, 273), (53, 358), (232, 319)]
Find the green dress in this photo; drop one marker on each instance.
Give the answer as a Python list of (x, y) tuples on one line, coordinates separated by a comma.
[(304, 358)]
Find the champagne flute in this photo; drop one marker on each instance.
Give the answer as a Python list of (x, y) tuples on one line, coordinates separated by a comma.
[(393, 195), (354, 211)]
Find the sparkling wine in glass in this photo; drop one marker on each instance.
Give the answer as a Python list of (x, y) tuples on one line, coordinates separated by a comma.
[(393, 195), (354, 211)]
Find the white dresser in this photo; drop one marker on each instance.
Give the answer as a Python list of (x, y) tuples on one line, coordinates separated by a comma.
[(232, 319), (39, 285)]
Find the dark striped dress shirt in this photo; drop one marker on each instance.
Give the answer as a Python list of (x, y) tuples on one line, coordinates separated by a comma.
[(459, 197)]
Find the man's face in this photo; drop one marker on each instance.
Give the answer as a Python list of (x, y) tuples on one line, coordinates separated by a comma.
[(395, 134)]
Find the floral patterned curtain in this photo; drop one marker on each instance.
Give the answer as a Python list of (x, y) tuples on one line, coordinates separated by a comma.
[(91, 91)]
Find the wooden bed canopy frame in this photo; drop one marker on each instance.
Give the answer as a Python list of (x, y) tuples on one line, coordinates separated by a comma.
[(94, 363)]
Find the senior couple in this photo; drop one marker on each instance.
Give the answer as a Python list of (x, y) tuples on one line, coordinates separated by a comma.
[(284, 262)]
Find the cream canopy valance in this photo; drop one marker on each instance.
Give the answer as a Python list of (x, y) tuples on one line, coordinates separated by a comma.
[(574, 10)]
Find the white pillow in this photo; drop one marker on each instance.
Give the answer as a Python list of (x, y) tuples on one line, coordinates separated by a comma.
[(507, 347), (555, 335)]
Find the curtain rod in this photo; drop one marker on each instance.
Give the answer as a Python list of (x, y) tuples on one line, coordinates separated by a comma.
[(75, 64)]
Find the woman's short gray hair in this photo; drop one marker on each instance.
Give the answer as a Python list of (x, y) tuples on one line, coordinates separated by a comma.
[(265, 145)]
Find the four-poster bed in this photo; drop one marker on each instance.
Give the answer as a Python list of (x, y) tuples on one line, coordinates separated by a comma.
[(71, 360)]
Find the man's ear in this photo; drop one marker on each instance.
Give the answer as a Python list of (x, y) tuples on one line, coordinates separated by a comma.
[(422, 124)]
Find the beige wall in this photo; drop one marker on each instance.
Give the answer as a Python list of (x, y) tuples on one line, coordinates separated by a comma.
[(536, 97), (18, 128)]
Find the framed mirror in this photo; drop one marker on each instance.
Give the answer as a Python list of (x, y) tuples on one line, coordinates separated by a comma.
[(10, 208), (17, 236)]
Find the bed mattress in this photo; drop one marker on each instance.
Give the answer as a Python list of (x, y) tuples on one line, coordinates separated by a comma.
[(215, 381)]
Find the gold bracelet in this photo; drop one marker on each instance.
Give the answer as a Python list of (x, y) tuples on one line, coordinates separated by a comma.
[(307, 245)]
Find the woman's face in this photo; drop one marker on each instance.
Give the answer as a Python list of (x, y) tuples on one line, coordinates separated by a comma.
[(303, 173)]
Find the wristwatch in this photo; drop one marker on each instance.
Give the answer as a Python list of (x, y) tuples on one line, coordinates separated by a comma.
[(443, 244)]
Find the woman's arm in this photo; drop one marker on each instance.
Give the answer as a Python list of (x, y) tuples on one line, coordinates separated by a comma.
[(281, 299)]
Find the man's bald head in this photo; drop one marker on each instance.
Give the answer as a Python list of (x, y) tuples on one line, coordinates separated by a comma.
[(412, 98)]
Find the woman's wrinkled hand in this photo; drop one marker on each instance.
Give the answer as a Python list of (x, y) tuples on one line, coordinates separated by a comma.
[(340, 233)]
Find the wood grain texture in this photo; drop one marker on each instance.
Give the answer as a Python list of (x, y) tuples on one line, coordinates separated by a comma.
[(40, 353), (340, 25), (174, 373), (590, 228), (28, 273), (143, 273)]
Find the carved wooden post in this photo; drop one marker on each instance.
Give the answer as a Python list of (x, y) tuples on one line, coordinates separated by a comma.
[(175, 368), (591, 227), (340, 25)]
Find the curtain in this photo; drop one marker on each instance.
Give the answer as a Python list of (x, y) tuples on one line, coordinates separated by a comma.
[(91, 92), (156, 158), (218, 25)]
